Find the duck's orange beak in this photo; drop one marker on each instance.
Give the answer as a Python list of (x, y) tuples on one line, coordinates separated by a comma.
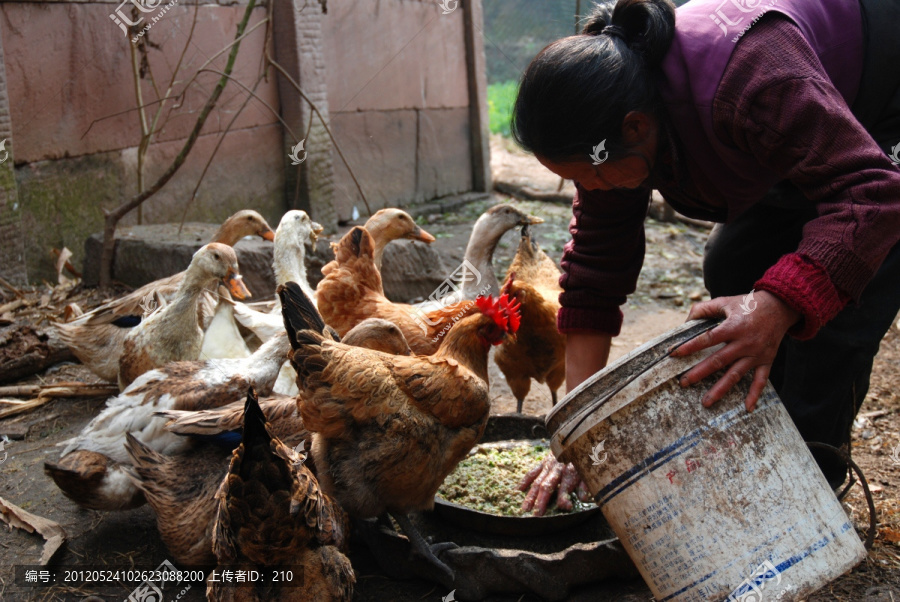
[(235, 283), (422, 235), (268, 235), (317, 229), (532, 220)]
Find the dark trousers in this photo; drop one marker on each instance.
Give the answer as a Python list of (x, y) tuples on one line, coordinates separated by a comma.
[(823, 381)]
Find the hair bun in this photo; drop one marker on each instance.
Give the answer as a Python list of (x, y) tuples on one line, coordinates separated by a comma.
[(647, 26), (599, 18)]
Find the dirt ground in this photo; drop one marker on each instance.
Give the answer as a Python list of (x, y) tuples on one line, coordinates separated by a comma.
[(670, 282)]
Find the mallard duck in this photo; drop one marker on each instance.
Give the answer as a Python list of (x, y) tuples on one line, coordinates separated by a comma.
[(172, 333), (96, 337), (90, 471), (486, 234), (295, 234), (271, 512)]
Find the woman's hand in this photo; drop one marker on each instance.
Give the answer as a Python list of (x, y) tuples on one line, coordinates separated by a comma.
[(751, 342), (586, 353)]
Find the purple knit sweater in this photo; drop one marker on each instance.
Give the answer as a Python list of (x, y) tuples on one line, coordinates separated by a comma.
[(775, 102)]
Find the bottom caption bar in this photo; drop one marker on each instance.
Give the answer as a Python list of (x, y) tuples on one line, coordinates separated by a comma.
[(149, 581)]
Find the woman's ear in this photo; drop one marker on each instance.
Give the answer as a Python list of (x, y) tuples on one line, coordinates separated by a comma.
[(637, 128)]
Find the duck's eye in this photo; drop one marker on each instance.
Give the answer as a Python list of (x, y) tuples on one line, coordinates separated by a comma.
[(216, 256)]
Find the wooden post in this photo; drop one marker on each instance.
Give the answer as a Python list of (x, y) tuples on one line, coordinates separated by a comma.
[(12, 238), (478, 107), (299, 49)]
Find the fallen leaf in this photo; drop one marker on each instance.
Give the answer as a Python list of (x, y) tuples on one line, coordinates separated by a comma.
[(891, 535), (16, 517)]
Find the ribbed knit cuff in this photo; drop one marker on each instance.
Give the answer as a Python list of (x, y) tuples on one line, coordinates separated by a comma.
[(601, 320), (804, 285)]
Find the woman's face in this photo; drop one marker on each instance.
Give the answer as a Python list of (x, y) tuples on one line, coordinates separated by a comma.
[(639, 133), (628, 172)]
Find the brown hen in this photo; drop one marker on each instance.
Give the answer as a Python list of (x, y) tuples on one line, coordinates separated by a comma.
[(388, 429), (539, 350), (272, 513), (350, 293)]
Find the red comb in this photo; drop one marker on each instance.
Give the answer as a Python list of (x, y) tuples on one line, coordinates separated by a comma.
[(503, 311)]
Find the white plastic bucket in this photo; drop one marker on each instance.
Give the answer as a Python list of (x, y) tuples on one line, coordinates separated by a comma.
[(711, 504)]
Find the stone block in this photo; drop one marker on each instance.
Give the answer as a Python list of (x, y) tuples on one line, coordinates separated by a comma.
[(411, 270)]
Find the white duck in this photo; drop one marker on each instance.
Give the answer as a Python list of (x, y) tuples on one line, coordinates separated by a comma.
[(96, 337), (89, 470), (486, 233), (173, 333), (295, 234)]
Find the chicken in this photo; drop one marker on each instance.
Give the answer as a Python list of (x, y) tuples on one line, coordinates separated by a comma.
[(349, 294), (272, 513), (182, 492), (90, 471), (539, 351), (96, 337), (388, 429)]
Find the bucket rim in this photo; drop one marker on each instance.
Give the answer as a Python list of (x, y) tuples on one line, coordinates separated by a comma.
[(669, 339)]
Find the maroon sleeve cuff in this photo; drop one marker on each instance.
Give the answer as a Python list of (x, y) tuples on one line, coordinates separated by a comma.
[(608, 321), (804, 285)]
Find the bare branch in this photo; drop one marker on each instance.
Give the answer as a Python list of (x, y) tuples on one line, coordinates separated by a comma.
[(112, 217)]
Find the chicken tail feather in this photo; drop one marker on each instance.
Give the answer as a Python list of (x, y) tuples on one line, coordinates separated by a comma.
[(298, 311)]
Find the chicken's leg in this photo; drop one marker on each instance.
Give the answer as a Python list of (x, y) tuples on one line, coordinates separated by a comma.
[(422, 548)]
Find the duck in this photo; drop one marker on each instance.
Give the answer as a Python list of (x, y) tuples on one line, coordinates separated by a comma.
[(479, 256), (390, 224), (295, 234), (271, 512), (96, 337), (173, 333), (90, 470), (222, 338), (223, 423)]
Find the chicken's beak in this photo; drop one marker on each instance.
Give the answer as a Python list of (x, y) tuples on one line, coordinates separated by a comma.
[(235, 283), (268, 235), (420, 234), (531, 220)]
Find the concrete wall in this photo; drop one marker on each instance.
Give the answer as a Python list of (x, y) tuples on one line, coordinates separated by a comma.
[(71, 98), (398, 98), (391, 77)]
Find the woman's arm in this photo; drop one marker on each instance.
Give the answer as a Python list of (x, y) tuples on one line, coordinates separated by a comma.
[(586, 353)]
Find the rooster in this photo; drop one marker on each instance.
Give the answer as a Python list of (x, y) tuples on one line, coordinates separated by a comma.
[(539, 351), (350, 293), (388, 429)]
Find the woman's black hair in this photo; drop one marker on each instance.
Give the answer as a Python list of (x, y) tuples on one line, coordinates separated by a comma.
[(577, 91)]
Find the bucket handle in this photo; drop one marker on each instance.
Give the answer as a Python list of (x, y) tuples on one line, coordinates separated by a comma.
[(634, 377), (845, 457)]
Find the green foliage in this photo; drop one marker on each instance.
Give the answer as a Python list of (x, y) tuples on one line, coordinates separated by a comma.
[(501, 98)]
